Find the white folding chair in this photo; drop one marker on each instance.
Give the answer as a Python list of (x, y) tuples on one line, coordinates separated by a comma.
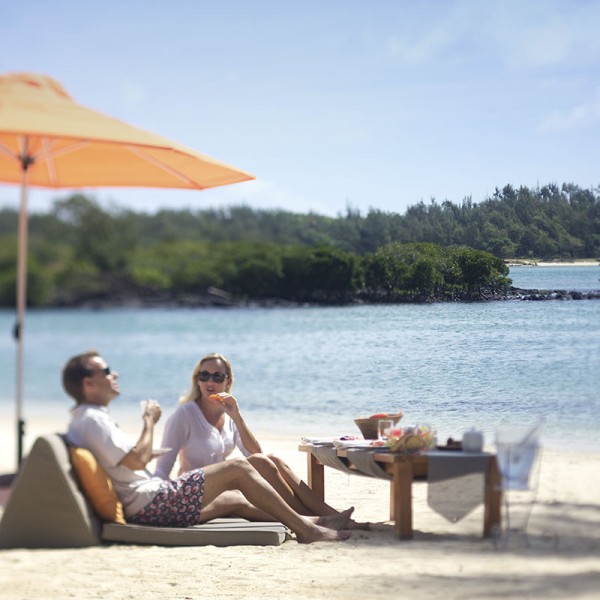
[(519, 459)]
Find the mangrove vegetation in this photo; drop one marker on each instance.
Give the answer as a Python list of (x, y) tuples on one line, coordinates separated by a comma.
[(82, 253)]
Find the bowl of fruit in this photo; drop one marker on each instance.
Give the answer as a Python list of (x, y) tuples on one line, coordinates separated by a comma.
[(368, 425)]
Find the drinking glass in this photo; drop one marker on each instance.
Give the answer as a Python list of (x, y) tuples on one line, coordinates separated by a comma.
[(384, 429)]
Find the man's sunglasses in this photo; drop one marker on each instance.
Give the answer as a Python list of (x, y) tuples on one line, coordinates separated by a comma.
[(105, 370), (217, 377)]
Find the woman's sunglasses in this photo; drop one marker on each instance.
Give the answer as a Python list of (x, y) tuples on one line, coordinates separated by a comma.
[(217, 377)]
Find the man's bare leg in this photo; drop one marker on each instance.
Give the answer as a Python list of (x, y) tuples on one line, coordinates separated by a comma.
[(234, 503), (239, 474)]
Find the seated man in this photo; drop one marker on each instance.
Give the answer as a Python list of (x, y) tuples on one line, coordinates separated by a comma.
[(224, 489)]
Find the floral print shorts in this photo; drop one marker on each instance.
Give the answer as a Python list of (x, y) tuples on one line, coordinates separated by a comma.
[(176, 504)]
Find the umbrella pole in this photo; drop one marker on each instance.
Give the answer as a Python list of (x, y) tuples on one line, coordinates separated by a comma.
[(21, 300)]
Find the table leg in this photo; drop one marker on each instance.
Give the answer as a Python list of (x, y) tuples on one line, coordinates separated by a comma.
[(316, 476), (493, 498), (401, 499)]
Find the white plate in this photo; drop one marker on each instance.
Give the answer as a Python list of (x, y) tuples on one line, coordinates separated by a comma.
[(160, 451), (317, 440)]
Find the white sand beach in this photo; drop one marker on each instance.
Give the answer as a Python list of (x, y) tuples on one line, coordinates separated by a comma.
[(581, 263), (444, 560)]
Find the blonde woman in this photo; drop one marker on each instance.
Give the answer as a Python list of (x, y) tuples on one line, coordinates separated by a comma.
[(207, 426)]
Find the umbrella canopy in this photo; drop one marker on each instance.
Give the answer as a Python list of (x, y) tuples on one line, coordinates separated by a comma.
[(72, 146), (48, 140)]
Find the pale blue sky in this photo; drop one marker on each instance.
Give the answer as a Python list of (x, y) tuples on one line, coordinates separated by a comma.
[(330, 103)]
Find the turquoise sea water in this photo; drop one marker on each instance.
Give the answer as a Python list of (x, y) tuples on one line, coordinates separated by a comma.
[(313, 370), (556, 278)]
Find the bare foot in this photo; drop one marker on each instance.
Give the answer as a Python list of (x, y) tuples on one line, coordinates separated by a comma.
[(341, 520), (364, 526), (316, 533), (337, 521)]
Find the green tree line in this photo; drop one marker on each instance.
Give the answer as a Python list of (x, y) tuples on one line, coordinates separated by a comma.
[(80, 253), (546, 223)]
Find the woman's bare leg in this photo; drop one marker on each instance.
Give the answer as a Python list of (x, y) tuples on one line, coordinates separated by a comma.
[(299, 489), (270, 471), (295, 492), (239, 474)]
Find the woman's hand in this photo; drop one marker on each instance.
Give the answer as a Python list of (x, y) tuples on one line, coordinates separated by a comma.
[(231, 407), (230, 404)]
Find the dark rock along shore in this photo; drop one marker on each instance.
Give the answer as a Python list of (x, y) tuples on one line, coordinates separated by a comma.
[(520, 294), (224, 299)]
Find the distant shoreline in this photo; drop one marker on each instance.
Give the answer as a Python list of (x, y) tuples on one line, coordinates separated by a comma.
[(213, 297), (579, 262), (198, 301)]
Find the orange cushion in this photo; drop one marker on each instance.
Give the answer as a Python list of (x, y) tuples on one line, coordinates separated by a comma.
[(97, 485)]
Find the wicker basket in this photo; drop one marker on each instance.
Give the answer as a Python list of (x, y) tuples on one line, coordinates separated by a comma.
[(368, 426)]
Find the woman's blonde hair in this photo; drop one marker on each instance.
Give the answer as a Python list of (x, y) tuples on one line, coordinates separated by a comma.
[(195, 393)]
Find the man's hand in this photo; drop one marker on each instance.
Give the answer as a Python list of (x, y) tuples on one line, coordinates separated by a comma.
[(152, 410), (141, 454)]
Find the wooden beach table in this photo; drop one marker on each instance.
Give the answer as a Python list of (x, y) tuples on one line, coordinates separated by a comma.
[(404, 469)]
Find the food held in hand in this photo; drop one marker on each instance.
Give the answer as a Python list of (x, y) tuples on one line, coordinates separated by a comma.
[(220, 397)]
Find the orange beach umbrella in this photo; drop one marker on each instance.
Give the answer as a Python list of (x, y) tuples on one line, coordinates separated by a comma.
[(48, 140)]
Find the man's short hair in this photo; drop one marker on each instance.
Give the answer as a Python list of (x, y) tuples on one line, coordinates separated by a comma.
[(75, 371)]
